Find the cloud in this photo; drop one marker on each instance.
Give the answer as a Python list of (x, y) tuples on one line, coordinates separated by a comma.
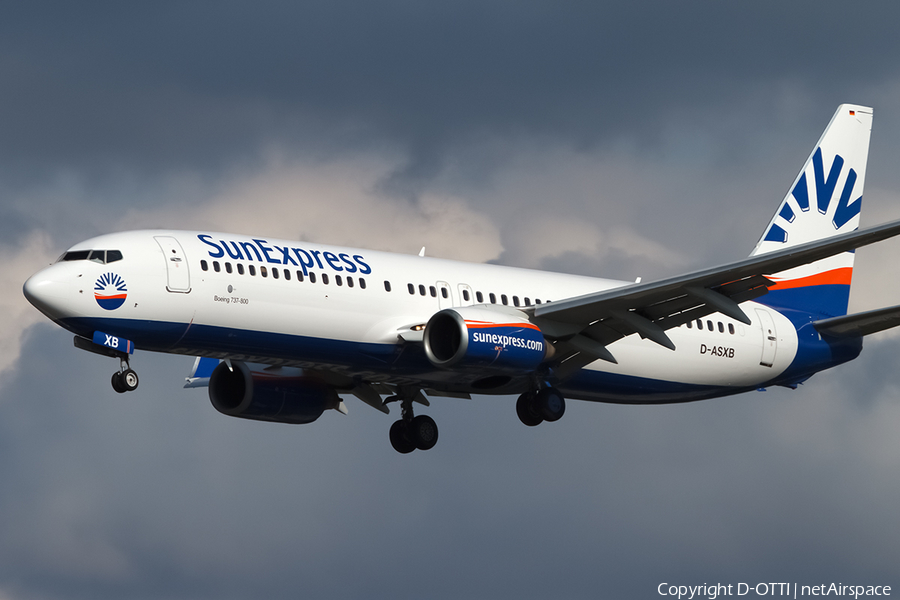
[(601, 139), (16, 265)]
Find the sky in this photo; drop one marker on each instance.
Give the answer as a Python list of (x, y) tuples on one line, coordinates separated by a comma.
[(609, 139)]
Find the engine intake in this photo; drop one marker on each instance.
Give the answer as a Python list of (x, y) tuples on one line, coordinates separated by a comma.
[(285, 396), (478, 338)]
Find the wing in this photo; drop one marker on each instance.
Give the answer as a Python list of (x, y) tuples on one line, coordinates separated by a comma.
[(582, 327)]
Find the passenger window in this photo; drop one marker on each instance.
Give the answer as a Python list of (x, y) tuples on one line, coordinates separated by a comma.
[(493, 298), (731, 328), (433, 291), (312, 277), (515, 300), (527, 301), (228, 267), (274, 273), (287, 274), (264, 271), (204, 266), (338, 280), (689, 326), (240, 269), (299, 275), (421, 290), (349, 282), (699, 324), (444, 292), (113, 256), (466, 295), (216, 266), (387, 284), (721, 327), (412, 289), (325, 278), (504, 299), (709, 325), (537, 301), (479, 297), (252, 270), (362, 284)]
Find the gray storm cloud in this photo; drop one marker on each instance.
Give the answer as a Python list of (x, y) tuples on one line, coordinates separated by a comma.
[(608, 139)]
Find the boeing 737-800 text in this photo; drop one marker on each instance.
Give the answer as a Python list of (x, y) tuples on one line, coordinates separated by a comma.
[(281, 329)]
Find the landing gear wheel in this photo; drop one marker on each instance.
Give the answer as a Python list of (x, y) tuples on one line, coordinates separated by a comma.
[(527, 410), (117, 383), (551, 404), (400, 438), (423, 432), (129, 380)]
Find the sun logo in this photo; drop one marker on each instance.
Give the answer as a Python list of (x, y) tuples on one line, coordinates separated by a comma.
[(821, 203), (110, 291)]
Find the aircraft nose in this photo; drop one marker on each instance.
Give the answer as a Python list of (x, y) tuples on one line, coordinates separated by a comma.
[(45, 294)]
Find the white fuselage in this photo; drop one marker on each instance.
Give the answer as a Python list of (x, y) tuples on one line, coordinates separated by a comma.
[(356, 313)]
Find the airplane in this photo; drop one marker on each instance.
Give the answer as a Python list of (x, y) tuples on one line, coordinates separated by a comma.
[(281, 330)]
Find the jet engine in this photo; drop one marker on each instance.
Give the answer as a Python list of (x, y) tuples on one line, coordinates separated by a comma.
[(478, 338), (281, 395)]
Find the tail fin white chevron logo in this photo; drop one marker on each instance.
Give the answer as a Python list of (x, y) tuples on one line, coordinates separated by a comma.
[(826, 196), (797, 204)]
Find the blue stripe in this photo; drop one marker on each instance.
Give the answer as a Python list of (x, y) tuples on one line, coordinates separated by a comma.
[(399, 360), (818, 300)]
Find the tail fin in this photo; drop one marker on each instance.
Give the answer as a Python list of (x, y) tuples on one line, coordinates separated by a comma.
[(824, 200)]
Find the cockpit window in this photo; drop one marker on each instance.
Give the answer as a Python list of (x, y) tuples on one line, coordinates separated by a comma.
[(98, 256), (76, 255)]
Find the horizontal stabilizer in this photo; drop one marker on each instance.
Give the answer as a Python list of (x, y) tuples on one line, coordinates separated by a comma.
[(860, 324)]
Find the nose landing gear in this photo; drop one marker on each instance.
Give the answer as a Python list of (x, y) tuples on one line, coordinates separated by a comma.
[(125, 379)]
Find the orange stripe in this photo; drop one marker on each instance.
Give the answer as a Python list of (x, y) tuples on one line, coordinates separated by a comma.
[(479, 324), (116, 297), (840, 276)]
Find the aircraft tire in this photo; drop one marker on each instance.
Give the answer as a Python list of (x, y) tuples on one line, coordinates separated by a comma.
[(129, 380), (423, 432), (399, 438), (117, 383), (551, 404), (526, 410)]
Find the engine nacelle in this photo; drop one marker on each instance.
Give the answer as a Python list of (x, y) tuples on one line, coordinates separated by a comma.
[(478, 338), (284, 396)]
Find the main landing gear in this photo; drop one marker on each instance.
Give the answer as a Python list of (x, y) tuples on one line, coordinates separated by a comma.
[(411, 432), (546, 404), (125, 379)]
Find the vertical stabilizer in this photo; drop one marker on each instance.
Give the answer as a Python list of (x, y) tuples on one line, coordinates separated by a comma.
[(824, 200)]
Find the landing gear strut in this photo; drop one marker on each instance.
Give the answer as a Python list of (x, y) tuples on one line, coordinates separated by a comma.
[(546, 404), (411, 432), (125, 379)]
